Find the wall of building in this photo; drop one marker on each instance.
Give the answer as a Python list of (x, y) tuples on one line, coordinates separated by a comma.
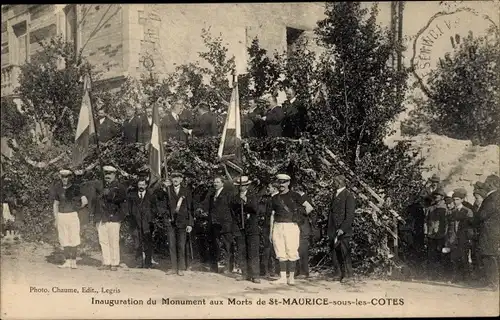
[(177, 35)]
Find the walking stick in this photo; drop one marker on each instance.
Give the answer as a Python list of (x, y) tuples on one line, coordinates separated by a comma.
[(141, 234)]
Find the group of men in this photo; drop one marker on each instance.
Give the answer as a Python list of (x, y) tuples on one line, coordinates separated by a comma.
[(238, 217), (462, 239), (262, 117)]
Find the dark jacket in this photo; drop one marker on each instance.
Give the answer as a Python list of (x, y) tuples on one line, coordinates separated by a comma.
[(182, 218), (110, 207), (171, 128), (274, 117), (295, 120), (459, 230), (436, 222), (219, 210), (205, 125), (341, 215), (136, 129), (487, 220), (258, 127), (247, 127), (250, 213), (107, 130), (143, 209)]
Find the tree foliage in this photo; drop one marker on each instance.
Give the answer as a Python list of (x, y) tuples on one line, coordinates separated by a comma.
[(464, 100)]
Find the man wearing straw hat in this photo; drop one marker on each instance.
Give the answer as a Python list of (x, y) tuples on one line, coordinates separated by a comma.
[(286, 210), (67, 201), (245, 207), (108, 217)]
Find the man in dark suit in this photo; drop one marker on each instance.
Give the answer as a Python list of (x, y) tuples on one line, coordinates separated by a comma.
[(273, 118), (136, 127), (340, 220), (142, 206), (221, 223), (171, 125), (307, 226), (107, 128), (178, 214), (245, 209), (295, 120), (487, 220), (205, 124), (269, 261)]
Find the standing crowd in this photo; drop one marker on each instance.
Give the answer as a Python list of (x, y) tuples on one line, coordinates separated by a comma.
[(267, 233), (461, 241)]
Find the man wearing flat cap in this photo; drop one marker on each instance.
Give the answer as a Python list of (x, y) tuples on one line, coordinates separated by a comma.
[(68, 200), (340, 220), (436, 234), (177, 213), (245, 209), (286, 211), (109, 213), (488, 223), (459, 235)]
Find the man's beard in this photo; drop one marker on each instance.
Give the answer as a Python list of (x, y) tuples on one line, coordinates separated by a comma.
[(141, 189)]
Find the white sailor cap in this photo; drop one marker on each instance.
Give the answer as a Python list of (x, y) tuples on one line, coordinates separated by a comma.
[(109, 169), (283, 176), (242, 181), (65, 172)]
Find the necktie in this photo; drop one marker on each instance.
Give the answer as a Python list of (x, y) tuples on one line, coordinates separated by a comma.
[(142, 195)]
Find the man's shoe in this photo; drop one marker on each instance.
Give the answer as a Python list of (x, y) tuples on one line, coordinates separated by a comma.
[(104, 267), (255, 280), (170, 272), (114, 268), (301, 277), (65, 265), (348, 280), (241, 278), (180, 273)]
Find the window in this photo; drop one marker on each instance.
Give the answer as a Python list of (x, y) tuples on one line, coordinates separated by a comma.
[(21, 42), (292, 38), (71, 25)]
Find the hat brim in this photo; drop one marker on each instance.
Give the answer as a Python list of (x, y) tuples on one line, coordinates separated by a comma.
[(242, 183)]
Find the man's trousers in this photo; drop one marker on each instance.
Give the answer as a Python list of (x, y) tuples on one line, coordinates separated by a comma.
[(177, 247), (248, 254), (226, 240), (341, 257), (109, 239)]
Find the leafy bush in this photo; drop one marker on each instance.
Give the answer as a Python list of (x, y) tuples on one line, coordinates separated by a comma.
[(463, 96)]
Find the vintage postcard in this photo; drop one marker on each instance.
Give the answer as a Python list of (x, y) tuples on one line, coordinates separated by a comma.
[(250, 160)]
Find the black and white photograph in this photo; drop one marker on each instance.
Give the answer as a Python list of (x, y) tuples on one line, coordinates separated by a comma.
[(250, 160)]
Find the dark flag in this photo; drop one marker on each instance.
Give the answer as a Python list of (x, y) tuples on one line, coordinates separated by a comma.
[(85, 128)]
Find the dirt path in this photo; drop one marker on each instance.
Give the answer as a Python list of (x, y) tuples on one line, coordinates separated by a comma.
[(25, 269)]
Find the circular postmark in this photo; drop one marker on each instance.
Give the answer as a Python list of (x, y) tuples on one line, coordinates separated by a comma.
[(442, 34)]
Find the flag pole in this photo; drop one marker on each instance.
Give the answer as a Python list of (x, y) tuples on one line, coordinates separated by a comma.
[(235, 87)]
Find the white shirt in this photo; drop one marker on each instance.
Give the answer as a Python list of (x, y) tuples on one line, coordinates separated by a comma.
[(101, 120), (293, 100), (217, 192), (339, 191), (176, 116), (176, 189), (142, 194)]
